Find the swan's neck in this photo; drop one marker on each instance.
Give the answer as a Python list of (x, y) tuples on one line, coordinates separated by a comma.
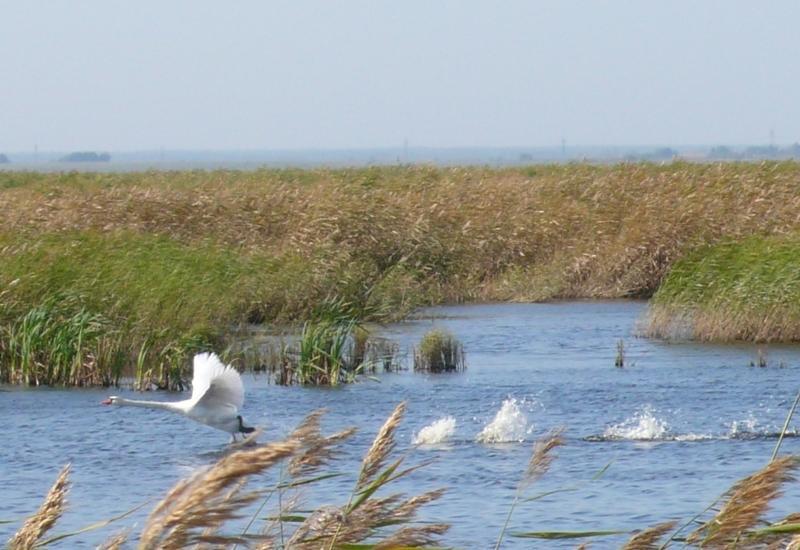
[(166, 405)]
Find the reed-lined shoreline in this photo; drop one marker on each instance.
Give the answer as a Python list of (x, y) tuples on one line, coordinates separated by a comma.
[(161, 264)]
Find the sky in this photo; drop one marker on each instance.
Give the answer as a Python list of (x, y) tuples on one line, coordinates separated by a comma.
[(124, 76)]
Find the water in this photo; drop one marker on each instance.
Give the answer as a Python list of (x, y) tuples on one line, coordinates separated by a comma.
[(679, 424)]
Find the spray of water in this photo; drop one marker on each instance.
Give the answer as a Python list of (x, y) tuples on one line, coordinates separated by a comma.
[(642, 426), (744, 428), (437, 432), (509, 424)]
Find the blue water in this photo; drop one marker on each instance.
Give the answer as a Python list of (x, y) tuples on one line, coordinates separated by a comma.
[(707, 416)]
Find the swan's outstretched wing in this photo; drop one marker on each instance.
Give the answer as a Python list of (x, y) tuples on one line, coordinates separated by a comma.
[(215, 384)]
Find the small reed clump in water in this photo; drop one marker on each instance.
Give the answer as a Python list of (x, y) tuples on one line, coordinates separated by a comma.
[(439, 351)]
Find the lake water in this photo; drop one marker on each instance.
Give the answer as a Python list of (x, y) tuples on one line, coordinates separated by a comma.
[(679, 424)]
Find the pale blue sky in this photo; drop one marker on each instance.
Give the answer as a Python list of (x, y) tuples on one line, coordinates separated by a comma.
[(114, 75)]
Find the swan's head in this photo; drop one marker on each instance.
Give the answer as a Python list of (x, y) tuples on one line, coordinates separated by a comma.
[(112, 400)]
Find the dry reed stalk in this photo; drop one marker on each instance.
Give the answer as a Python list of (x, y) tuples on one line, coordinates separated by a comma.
[(381, 447), (748, 499), (542, 456), (201, 501), (45, 517), (330, 526), (537, 466), (413, 537), (318, 449), (114, 542), (359, 519), (648, 539)]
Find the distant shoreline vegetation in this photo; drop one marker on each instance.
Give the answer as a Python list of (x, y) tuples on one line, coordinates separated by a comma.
[(106, 275), (85, 156)]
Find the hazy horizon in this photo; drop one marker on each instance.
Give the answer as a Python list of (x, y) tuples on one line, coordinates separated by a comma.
[(311, 75)]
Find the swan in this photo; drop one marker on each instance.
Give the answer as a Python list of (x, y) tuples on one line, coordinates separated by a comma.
[(217, 396)]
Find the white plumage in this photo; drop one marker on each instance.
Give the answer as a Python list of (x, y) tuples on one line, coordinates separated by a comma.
[(217, 396)]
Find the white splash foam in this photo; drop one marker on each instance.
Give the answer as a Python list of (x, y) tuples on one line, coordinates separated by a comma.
[(438, 432), (694, 437), (746, 427), (643, 426), (509, 424)]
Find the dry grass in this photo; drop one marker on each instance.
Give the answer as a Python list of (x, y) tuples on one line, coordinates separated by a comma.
[(51, 509), (209, 499), (649, 538), (197, 508), (745, 505), (538, 465), (467, 233), (381, 448), (273, 244)]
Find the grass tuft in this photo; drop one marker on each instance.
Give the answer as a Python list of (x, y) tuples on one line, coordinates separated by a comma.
[(439, 351)]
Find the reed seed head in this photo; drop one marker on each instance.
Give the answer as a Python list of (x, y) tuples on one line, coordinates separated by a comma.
[(542, 455), (381, 447), (46, 516), (648, 539), (747, 502)]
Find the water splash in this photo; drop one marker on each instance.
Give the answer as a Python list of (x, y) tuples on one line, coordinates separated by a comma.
[(744, 429), (437, 432), (643, 426), (509, 424)]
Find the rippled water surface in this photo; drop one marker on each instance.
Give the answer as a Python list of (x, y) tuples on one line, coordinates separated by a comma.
[(679, 424)]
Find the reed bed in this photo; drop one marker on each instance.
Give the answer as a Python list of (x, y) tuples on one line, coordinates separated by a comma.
[(745, 290), (175, 260)]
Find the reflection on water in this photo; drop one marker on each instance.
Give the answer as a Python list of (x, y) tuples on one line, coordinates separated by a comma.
[(679, 426)]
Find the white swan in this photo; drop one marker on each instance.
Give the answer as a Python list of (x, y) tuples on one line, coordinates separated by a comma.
[(217, 396)]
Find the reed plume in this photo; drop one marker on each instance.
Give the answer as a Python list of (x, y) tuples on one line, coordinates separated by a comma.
[(317, 449), (747, 502), (207, 499), (540, 461), (648, 539), (45, 517), (381, 447), (365, 513), (114, 542), (413, 537), (542, 456)]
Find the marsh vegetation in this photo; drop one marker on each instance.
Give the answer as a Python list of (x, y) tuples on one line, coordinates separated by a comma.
[(158, 265)]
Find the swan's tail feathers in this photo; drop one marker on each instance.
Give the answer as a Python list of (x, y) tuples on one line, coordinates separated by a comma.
[(210, 372)]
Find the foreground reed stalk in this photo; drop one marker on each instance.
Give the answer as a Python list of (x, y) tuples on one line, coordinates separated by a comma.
[(47, 515), (538, 465)]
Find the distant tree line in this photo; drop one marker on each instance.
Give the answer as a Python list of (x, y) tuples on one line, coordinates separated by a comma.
[(86, 156)]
